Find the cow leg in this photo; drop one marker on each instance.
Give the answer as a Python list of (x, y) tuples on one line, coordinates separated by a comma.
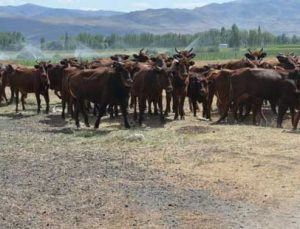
[(281, 112), (111, 111), (206, 110), (160, 107), (76, 115), (133, 100), (155, 108), (17, 100), (292, 111), (116, 110), (38, 100), (193, 105), (181, 107), (82, 107), (95, 109), (23, 101), (149, 107), (273, 107), (142, 106), (296, 121), (168, 102), (102, 109), (57, 94), (176, 106), (224, 115), (47, 100), (12, 92), (63, 103), (125, 114)]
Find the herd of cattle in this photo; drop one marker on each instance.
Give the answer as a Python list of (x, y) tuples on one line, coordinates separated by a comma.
[(241, 86)]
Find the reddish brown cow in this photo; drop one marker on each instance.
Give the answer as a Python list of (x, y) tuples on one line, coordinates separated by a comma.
[(184, 54), (30, 80), (148, 84), (141, 57), (180, 69), (257, 85), (101, 86)]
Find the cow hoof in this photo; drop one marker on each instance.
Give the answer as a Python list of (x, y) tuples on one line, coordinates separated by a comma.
[(127, 126), (87, 125), (182, 118)]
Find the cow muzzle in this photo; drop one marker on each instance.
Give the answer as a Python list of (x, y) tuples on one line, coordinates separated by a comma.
[(128, 83), (169, 89)]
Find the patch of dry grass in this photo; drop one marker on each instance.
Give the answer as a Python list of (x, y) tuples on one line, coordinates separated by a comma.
[(185, 174)]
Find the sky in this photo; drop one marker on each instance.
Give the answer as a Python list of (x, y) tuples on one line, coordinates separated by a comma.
[(115, 5)]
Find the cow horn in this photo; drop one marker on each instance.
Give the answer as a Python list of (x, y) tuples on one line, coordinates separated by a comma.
[(191, 50), (262, 49), (249, 50), (176, 50), (142, 50)]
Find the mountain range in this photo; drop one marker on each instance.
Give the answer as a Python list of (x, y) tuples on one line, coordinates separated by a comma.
[(276, 16)]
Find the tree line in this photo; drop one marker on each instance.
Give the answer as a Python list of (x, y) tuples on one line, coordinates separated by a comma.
[(233, 36)]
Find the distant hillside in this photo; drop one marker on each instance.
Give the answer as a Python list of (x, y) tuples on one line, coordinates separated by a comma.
[(276, 16)]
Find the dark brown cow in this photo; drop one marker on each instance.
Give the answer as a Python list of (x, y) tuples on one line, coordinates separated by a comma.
[(102, 86), (180, 69), (289, 61), (258, 85), (184, 54), (148, 84), (256, 55), (141, 57), (30, 80), (198, 92)]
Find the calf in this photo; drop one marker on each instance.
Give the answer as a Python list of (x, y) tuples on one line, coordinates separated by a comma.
[(198, 92), (148, 84)]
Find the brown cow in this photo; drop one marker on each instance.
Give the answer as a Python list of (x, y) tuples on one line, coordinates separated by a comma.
[(257, 56), (260, 84), (148, 84), (198, 92), (103, 86), (184, 54), (141, 57), (180, 69), (30, 80)]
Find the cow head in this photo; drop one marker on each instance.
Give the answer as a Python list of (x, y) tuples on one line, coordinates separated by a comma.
[(289, 61), (123, 73), (141, 57), (198, 86), (43, 67), (256, 55), (165, 76), (180, 68), (119, 57), (184, 54)]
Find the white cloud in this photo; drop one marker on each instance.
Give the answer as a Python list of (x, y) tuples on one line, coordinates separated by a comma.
[(188, 5), (11, 2), (140, 5)]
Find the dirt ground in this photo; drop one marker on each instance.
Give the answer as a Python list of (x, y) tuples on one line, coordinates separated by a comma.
[(185, 174)]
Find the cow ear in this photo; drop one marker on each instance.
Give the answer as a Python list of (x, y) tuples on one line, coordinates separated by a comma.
[(125, 57), (192, 55), (248, 56), (49, 66), (114, 58), (37, 66), (191, 63), (263, 55), (135, 56), (177, 56), (154, 59)]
